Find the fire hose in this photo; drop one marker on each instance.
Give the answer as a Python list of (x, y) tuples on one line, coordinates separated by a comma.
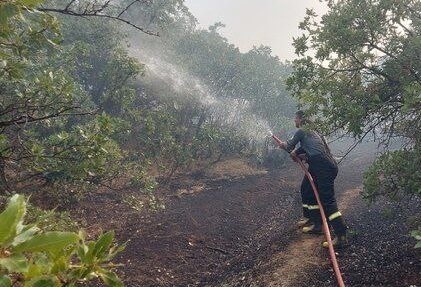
[(324, 221)]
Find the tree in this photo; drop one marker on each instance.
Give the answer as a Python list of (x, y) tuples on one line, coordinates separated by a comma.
[(49, 79), (249, 89), (76, 63), (358, 71), (254, 79), (30, 92)]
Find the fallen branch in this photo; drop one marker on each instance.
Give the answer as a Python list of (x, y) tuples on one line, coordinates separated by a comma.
[(216, 249)]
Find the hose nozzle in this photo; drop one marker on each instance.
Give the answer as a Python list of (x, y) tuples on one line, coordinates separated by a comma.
[(276, 139)]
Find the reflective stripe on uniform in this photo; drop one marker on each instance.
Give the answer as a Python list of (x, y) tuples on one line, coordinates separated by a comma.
[(305, 205), (311, 207), (334, 215)]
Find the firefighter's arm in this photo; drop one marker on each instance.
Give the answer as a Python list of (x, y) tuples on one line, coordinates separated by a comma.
[(298, 153), (290, 144)]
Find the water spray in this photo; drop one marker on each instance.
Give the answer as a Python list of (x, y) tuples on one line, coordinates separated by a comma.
[(322, 212)]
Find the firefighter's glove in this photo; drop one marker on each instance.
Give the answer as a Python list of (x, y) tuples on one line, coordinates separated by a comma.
[(294, 156)]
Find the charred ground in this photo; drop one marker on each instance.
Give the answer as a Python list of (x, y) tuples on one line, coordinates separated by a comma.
[(235, 226)]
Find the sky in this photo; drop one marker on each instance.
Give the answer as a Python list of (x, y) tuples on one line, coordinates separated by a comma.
[(254, 22)]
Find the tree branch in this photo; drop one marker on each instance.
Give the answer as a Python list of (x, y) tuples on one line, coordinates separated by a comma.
[(128, 6), (98, 12), (23, 119), (370, 129)]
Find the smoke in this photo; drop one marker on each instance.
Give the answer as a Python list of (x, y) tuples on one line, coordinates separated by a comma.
[(170, 81)]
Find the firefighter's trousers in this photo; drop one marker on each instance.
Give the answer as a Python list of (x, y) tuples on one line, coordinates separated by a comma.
[(324, 172)]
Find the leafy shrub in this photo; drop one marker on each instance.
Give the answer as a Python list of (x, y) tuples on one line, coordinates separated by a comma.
[(34, 257), (394, 174), (417, 235), (149, 202), (50, 220)]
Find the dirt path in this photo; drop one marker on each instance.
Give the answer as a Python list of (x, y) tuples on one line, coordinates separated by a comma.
[(285, 268), (288, 267)]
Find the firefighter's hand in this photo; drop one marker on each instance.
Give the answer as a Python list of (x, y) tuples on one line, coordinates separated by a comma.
[(303, 157), (283, 145), (293, 155)]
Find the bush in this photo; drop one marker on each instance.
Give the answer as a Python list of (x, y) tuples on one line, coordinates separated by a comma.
[(32, 257), (417, 235)]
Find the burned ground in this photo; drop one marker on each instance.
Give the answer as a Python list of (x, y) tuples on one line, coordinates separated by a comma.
[(239, 230)]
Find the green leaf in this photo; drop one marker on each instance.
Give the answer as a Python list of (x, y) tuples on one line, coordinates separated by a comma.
[(24, 236), (35, 270), (7, 11), (103, 244), (44, 281), (82, 250), (86, 253), (114, 251), (110, 278), (15, 263), (53, 44), (41, 265), (60, 265), (52, 242), (29, 3), (11, 218), (5, 281)]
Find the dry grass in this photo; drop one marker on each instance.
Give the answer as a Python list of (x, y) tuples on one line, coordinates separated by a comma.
[(233, 168)]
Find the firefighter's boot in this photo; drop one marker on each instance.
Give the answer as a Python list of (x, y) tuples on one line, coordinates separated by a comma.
[(339, 241), (305, 221), (313, 229)]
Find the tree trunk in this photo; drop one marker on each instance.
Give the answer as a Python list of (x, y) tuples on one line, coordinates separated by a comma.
[(4, 187), (202, 119), (173, 170)]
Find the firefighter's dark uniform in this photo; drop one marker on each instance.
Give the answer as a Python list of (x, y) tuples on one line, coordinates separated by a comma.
[(324, 169)]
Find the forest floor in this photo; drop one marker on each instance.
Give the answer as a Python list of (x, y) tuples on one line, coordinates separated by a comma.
[(233, 225)]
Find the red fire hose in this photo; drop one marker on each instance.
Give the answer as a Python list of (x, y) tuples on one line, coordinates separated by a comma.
[(322, 212)]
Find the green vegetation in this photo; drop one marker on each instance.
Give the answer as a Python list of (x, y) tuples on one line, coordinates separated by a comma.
[(359, 72), (78, 110), (90, 96), (417, 235), (34, 257)]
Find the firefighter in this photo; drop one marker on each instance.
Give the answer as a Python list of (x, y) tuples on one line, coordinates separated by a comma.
[(324, 169)]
